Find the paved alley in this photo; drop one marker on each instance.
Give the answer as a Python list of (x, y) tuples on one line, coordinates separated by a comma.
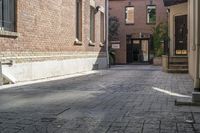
[(123, 99)]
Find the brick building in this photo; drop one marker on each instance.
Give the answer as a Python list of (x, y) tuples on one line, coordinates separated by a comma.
[(136, 18), (47, 38)]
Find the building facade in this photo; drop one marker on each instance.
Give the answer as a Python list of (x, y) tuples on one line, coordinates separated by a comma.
[(48, 38), (185, 20), (137, 19)]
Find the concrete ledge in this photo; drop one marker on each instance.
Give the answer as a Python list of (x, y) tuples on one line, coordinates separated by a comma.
[(182, 103), (196, 97), (8, 33), (165, 63)]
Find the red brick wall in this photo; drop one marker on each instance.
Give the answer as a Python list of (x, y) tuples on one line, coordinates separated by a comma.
[(49, 26), (117, 8)]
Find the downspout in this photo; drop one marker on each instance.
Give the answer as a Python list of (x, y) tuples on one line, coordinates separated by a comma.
[(106, 26), (197, 43), (1, 74)]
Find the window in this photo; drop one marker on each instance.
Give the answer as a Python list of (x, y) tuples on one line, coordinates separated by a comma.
[(7, 15), (92, 24), (151, 14), (79, 20), (102, 26), (129, 15)]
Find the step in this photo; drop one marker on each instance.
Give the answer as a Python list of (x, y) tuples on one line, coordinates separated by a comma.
[(178, 59), (178, 63), (178, 66), (177, 70)]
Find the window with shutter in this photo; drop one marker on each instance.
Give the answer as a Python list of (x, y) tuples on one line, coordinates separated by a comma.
[(92, 24), (102, 27), (7, 15), (79, 20)]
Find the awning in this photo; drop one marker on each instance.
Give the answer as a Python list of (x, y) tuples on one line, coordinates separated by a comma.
[(173, 2)]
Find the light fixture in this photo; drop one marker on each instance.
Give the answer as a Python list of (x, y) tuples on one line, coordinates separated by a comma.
[(97, 9), (168, 10)]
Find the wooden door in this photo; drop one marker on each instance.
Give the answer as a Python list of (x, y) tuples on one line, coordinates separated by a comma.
[(181, 35)]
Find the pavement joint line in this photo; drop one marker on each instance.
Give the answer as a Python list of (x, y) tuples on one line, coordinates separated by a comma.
[(159, 126), (63, 111), (142, 130)]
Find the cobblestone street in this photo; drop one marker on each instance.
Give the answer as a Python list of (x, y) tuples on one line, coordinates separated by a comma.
[(123, 99)]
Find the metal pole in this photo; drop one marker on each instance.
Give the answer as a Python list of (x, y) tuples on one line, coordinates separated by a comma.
[(1, 75), (106, 26), (197, 43)]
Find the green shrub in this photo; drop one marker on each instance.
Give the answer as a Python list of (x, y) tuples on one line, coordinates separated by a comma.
[(160, 33)]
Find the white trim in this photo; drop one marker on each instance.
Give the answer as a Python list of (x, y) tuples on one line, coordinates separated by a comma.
[(93, 3), (102, 9)]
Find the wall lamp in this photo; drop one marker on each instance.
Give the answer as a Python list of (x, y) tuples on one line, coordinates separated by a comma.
[(97, 9), (168, 10)]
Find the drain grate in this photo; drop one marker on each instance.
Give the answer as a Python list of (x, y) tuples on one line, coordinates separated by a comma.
[(45, 119)]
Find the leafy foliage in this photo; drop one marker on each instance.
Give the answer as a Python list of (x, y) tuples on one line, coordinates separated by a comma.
[(160, 33), (113, 28), (113, 35)]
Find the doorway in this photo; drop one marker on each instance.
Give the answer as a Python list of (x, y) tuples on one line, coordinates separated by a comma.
[(181, 35), (138, 51)]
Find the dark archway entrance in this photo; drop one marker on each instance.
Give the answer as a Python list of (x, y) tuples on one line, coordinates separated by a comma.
[(138, 50)]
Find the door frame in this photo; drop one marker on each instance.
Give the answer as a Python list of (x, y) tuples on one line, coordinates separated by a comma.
[(140, 39), (174, 40)]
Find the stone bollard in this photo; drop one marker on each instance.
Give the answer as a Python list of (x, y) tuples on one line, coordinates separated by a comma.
[(1, 75), (165, 63)]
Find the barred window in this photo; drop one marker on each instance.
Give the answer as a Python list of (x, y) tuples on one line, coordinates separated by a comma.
[(7, 15)]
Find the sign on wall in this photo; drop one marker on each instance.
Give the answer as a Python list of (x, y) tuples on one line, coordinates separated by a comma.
[(116, 46)]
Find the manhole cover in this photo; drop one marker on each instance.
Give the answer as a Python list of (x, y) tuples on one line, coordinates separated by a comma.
[(48, 119)]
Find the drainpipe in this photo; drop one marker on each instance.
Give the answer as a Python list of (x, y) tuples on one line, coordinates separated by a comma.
[(106, 26), (1, 75), (197, 43)]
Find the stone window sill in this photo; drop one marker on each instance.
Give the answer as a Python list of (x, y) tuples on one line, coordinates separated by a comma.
[(8, 34), (101, 44), (77, 42), (91, 43)]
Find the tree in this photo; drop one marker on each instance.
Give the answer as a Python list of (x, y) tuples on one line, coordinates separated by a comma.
[(113, 36), (113, 28)]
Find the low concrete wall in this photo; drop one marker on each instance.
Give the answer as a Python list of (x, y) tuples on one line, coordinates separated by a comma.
[(28, 71), (157, 61)]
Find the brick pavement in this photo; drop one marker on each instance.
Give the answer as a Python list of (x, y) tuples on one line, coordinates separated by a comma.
[(124, 99)]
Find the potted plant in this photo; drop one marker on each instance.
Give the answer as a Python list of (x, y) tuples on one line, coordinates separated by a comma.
[(160, 33)]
